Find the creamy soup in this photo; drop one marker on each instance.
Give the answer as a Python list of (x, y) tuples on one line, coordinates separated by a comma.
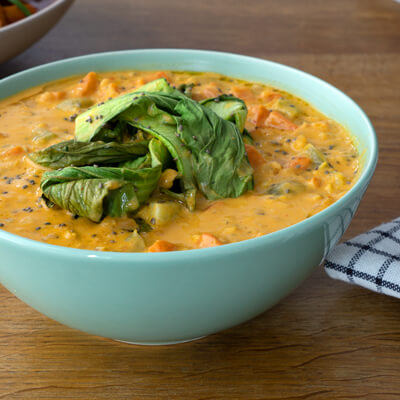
[(295, 162)]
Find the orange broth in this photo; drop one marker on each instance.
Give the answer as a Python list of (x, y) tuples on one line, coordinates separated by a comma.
[(288, 186)]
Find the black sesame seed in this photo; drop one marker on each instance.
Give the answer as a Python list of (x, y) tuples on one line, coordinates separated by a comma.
[(32, 182), (5, 177), (25, 187), (114, 233), (38, 228), (285, 153), (94, 235), (153, 221), (4, 192), (75, 216), (47, 223), (288, 140), (62, 225), (1, 224)]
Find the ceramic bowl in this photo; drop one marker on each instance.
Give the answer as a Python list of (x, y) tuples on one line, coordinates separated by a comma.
[(159, 298), (17, 37)]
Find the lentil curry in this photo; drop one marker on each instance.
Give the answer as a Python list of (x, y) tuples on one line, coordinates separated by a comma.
[(189, 160)]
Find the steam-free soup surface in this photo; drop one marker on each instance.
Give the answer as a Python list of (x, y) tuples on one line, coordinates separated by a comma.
[(302, 161)]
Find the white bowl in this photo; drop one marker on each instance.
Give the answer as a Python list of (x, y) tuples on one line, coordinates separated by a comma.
[(18, 36)]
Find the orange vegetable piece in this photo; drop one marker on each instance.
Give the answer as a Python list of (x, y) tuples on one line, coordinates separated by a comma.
[(258, 114), (277, 120), (14, 151), (157, 75), (161, 245), (243, 93), (3, 19), (255, 157), (14, 14), (300, 163), (208, 240), (88, 84), (210, 90)]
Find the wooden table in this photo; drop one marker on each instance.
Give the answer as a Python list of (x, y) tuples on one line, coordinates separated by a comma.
[(327, 340)]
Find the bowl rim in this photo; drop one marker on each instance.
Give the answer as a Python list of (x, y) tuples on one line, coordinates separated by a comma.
[(32, 17), (235, 247)]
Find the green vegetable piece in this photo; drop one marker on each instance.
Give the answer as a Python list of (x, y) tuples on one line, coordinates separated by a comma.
[(136, 241), (159, 154), (285, 187), (315, 155), (73, 153), (247, 138), (207, 148), (90, 124), (286, 107), (44, 137), (94, 192), (229, 108), (159, 213), (186, 89)]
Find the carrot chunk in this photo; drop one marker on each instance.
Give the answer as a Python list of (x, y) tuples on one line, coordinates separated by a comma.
[(255, 157), (243, 93), (300, 163), (14, 14), (210, 90), (88, 84), (277, 120), (3, 19), (157, 75), (208, 240), (258, 114), (161, 245), (14, 151)]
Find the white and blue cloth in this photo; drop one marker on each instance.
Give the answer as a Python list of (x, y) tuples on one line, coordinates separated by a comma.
[(371, 260)]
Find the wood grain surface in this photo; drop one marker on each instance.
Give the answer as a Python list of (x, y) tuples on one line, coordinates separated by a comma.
[(327, 340)]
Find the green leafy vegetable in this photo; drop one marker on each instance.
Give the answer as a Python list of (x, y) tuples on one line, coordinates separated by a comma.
[(73, 153), (94, 192), (203, 141)]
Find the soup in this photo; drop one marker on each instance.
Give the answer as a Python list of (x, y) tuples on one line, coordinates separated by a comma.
[(270, 160)]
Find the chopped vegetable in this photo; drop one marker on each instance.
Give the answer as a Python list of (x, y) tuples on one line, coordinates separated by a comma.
[(255, 157), (286, 187), (161, 245), (300, 163), (73, 153), (277, 120), (208, 240), (94, 192)]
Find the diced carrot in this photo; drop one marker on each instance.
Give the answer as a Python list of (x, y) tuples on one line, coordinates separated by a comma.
[(258, 114), (88, 84), (316, 182), (277, 120), (157, 75), (14, 14), (14, 151), (161, 245), (255, 157), (300, 163), (208, 240), (210, 90), (267, 96), (243, 93), (3, 19)]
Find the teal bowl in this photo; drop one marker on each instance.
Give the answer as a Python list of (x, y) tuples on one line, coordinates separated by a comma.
[(161, 298)]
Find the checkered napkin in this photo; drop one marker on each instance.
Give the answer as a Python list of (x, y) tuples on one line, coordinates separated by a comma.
[(371, 260)]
